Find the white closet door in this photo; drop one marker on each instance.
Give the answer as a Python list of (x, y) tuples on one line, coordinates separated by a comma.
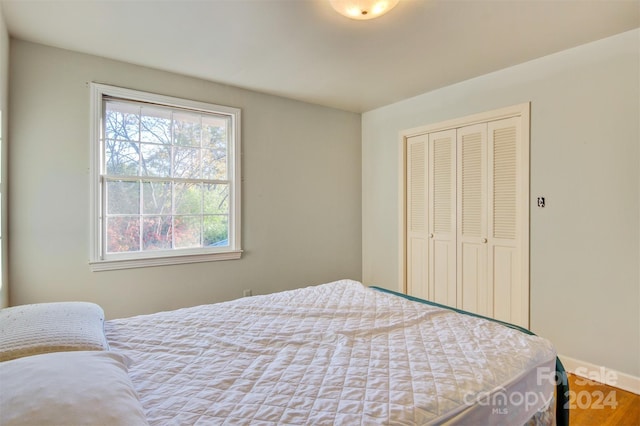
[(466, 221), (441, 168), (504, 260), (473, 293), (417, 245)]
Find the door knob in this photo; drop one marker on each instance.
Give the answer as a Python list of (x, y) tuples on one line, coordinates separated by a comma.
[(430, 235), (484, 240)]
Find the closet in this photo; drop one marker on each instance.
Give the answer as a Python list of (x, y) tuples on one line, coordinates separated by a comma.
[(465, 210)]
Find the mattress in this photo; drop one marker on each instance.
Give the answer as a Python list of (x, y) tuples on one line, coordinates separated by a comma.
[(338, 353)]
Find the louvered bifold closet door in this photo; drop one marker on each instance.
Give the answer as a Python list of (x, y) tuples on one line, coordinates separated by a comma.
[(504, 262), (417, 242), (473, 293), (442, 217)]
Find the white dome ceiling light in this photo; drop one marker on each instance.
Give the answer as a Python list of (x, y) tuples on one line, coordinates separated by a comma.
[(363, 9)]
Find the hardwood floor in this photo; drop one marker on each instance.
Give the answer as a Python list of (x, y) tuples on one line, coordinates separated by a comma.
[(593, 403)]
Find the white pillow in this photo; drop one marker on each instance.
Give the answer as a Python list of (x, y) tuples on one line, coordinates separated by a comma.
[(51, 327), (68, 388)]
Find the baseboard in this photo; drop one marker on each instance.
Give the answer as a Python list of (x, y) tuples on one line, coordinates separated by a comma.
[(601, 374)]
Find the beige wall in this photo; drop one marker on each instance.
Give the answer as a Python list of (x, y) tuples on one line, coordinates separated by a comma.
[(585, 134), (301, 190), (4, 100)]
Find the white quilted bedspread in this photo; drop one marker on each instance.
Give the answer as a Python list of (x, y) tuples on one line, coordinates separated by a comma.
[(337, 353)]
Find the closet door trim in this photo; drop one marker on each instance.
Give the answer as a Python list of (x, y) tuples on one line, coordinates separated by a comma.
[(520, 110)]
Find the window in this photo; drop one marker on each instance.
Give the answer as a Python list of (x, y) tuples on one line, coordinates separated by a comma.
[(165, 178)]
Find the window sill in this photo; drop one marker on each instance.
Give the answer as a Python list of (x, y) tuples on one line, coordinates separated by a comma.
[(111, 265)]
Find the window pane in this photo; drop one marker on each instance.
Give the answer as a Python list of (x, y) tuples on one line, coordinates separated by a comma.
[(216, 143), (216, 231), (156, 198), (123, 234), (121, 158), (186, 129), (188, 198), (216, 199), (214, 164), (123, 197), (214, 131), (122, 121), (155, 125), (156, 160), (187, 231), (157, 233), (186, 163)]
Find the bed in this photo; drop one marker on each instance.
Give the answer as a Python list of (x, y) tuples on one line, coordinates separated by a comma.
[(337, 353)]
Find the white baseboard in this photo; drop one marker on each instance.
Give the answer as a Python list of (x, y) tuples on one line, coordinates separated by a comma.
[(601, 374)]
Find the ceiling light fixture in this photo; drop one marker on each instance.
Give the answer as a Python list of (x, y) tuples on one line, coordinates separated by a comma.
[(363, 9)]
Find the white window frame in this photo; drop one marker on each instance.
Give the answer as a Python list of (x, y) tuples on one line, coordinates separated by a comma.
[(101, 261)]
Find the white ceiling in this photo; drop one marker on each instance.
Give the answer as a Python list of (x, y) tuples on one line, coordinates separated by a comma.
[(302, 49)]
